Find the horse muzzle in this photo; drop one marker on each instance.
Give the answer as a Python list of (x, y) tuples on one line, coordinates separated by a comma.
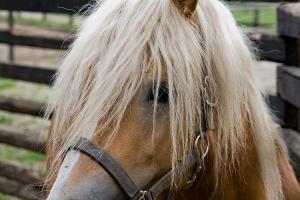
[(97, 187), (105, 187)]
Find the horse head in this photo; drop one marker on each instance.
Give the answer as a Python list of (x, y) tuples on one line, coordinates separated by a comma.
[(156, 99)]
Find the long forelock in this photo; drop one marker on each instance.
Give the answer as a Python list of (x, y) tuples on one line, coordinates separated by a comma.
[(108, 60)]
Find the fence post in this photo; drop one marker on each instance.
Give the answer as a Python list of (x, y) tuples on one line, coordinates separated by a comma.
[(256, 17), (44, 16), (10, 28), (71, 20), (288, 78)]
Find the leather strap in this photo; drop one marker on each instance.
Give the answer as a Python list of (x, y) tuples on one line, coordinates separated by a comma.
[(165, 182), (98, 154)]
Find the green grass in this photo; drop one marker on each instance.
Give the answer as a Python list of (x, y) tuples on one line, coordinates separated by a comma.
[(6, 118), (40, 21), (20, 89), (246, 17), (7, 83), (7, 197), (25, 157), (44, 22)]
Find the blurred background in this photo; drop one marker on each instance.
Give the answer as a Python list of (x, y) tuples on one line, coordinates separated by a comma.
[(34, 35)]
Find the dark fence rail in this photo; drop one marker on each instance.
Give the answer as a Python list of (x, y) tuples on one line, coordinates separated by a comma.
[(27, 73), (289, 77), (269, 47), (22, 139), (47, 6), (21, 106), (21, 190), (8, 37), (21, 174)]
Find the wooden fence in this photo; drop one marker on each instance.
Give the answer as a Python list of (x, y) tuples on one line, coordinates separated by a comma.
[(16, 180), (283, 48)]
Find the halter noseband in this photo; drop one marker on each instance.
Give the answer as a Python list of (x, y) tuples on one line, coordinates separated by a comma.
[(114, 169)]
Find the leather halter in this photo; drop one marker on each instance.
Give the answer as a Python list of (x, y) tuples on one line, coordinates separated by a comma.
[(114, 169)]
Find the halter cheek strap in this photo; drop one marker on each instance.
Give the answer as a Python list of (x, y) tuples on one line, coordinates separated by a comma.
[(110, 165), (120, 176)]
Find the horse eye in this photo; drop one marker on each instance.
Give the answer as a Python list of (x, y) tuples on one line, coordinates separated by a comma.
[(162, 95)]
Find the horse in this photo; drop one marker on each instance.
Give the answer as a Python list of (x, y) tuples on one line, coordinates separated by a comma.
[(156, 100)]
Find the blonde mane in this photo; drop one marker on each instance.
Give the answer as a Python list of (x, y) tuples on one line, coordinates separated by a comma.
[(107, 62)]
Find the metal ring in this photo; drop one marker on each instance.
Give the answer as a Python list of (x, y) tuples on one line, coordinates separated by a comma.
[(207, 146), (143, 194), (197, 140), (211, 104), (190, 182), (205, 80), (206, 151)]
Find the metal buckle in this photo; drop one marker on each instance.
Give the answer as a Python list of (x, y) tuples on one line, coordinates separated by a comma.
[(143, 194)]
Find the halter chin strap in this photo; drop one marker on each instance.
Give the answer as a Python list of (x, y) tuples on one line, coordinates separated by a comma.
[(111, 166)]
